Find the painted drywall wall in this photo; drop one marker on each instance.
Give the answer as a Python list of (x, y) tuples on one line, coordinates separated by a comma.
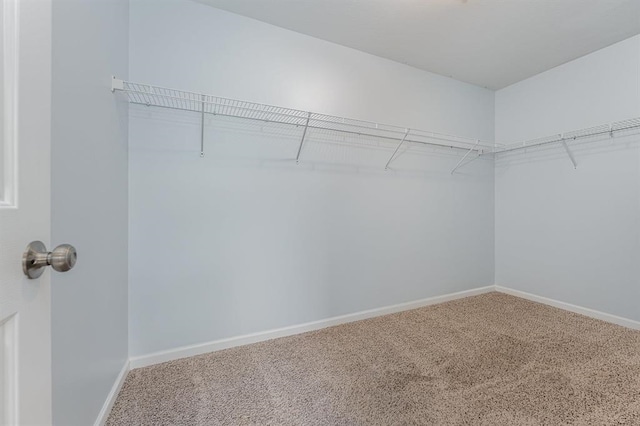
[(89, 205), (243, 240), (572, 235)]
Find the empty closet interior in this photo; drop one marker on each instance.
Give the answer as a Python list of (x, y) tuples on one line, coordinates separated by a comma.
[(279, 183), (275, 210)]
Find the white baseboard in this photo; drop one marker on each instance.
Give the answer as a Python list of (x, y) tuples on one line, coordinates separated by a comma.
[(625, 322), (187, 351), (202, 348), (113, 394)]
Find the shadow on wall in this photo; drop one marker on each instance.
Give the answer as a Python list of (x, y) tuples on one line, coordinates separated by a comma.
[(238, 143)]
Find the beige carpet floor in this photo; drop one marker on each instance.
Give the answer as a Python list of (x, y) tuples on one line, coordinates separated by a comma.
[(491, 359)]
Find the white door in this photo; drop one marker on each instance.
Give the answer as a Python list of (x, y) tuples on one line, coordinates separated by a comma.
[(25, 139)]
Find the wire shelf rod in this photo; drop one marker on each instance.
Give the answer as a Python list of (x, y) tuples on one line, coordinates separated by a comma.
[(190, 101), (608, 130), (156, 96), (300, 120), (353, 133)]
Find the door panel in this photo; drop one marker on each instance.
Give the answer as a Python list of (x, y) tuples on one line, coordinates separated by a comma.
[(25, 329)]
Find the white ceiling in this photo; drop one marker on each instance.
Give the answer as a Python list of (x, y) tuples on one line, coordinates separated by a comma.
[(490, 43)]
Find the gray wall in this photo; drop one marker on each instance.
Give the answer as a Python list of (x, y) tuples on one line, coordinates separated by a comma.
[(572, 235), (89, 205), (244, 240)]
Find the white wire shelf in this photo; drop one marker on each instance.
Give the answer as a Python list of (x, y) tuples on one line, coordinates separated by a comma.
[(603, 130), (574, 137), (156, 96), (145, 94)]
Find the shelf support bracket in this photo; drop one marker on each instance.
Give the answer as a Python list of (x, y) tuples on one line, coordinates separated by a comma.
[(404, 138), (304, 133), (202, 129), (569, 153), (465, 157), (116, 84)]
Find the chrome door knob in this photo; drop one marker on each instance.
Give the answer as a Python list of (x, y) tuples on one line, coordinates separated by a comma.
[(36, 257)]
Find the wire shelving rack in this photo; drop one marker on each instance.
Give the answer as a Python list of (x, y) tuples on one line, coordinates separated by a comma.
[(203, 104), (156, 96), (574, 137)]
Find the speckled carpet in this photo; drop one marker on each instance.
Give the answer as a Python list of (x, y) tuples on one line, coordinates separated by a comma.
[(491, 359)]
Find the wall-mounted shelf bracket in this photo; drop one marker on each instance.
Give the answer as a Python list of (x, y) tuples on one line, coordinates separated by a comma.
[(116, 84), (569, 153), (202, 128), (404, 138), (465, 157), (304, 133)]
